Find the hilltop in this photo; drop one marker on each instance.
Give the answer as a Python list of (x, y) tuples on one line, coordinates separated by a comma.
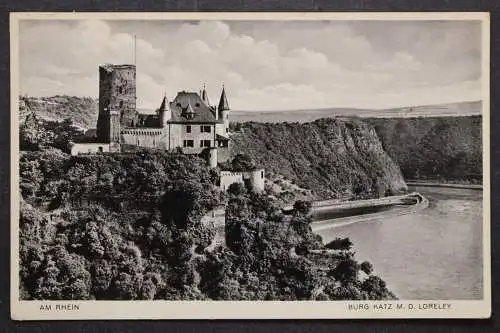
[(301, 116), (82, 111)]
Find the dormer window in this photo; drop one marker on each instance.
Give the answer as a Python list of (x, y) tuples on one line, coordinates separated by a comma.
[(197, 104)]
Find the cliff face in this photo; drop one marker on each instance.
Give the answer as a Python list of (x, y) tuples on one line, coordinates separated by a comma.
[(438, 148), (341, 158)]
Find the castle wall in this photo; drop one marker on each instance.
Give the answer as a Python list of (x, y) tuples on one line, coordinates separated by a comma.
[(221, 129), (145, 137), (255, 178), (180, 132), (175, 136), (228, 177), (223, 154), (89, 148)]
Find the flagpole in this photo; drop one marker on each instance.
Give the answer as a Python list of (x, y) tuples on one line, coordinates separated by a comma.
[(135, 50)]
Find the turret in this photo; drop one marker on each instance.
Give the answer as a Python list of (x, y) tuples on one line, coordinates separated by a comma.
[(204, 96), (164, 112), (223, 110)]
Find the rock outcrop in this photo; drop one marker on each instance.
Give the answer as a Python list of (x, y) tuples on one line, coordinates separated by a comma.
[(336, 158)]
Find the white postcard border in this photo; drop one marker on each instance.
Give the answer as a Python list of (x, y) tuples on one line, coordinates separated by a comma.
[(162, 309)]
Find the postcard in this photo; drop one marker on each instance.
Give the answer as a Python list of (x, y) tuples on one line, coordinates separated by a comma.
[(250, 165)]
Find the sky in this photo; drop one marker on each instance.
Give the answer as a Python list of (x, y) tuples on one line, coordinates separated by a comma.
[(264, 65)]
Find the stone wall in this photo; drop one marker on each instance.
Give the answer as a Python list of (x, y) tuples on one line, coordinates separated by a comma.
[(88, 148), (228, 177), (145, 137)]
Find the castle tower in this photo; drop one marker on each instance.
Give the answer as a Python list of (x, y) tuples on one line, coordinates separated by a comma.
[(164, 112), (114, 131), (117, 92), (223, 110)]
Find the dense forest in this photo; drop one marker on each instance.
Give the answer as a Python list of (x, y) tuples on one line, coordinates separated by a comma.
[(339, 158), (129, 226), (447, 149)]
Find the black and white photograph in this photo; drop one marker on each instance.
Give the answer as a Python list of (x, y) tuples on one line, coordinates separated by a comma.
[(246, 166)]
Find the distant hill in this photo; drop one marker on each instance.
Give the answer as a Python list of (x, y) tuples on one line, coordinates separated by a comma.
[(81, 110), (436, 148), (302, 116)]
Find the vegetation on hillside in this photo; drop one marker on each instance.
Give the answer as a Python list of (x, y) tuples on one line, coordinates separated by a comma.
[(332, 157), (81, 110), (447, 149), (129, 226)]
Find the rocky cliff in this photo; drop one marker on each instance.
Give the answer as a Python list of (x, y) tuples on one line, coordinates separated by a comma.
[(341, 158), (447, 149)]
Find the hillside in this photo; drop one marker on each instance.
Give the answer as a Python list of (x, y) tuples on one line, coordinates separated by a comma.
[(438, 148), (331, 157), (129, 227), (81, 110)]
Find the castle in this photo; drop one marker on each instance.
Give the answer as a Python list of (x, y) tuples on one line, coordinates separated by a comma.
[(188, 123)]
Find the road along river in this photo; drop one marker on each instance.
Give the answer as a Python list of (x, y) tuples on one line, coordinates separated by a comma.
[(432, 253)]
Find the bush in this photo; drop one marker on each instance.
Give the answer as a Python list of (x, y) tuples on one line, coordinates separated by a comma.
[(340, 244)]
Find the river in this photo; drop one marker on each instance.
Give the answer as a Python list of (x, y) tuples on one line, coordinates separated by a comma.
[(435, 253)]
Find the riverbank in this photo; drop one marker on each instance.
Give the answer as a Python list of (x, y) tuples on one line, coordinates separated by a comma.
[(400, 206), (446, 185)]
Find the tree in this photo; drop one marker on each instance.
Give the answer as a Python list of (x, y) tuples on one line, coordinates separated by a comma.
[(303, 207), (366, 267), (242, 162), (344, 244), (236, 189)]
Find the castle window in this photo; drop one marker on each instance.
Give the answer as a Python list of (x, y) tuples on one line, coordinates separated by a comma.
[(262, 174), (138, 142), (197, 104), (205, 129), (205, 143), (121, 104), (188, 143), (188, 129), (227, 130)]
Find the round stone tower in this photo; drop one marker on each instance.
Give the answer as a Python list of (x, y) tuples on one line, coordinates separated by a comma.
[(212, 157), (257, 180)]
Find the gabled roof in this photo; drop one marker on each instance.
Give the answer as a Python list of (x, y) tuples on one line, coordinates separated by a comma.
[(186, 101)]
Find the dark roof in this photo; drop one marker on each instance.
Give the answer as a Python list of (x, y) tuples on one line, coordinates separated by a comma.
[(223, 104), (163, 105), (182, 105), (204, 96), (221, 138), (148, 120)]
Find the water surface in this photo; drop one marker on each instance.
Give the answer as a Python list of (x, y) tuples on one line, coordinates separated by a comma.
[(433, 254)]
